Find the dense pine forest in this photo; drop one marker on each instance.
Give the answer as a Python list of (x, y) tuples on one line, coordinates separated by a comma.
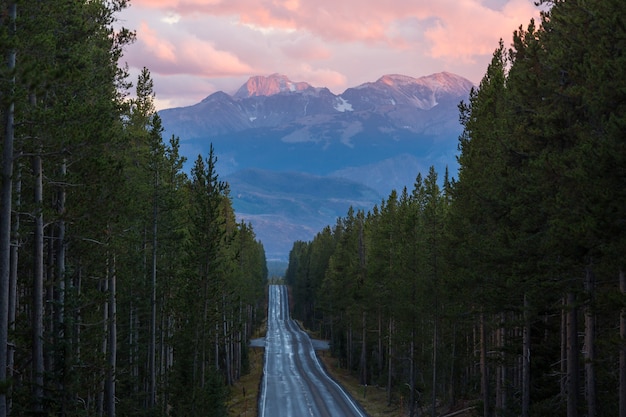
[(127, 287), (504, 289)]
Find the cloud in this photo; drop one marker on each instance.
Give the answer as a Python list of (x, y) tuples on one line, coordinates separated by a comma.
[(461, 36), (462, 27), (305, 50), (323, 77), (217, 44), (185, 55)]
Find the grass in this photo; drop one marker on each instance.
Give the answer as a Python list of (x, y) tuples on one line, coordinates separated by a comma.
[(372, 399), (244, 393)]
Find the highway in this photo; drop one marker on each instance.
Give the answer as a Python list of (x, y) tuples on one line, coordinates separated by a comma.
[(294, 383)]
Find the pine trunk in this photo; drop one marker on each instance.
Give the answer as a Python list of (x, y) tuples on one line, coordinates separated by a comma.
[(153, 303), (563, 362), (380, 361), (349, 348), (590, 341), (363, 360), (227, 358), (112, 348), (5, 225), (572, 356), (104, 287), (412, 402), (38, 289), (389, 361), (526, 361), (61, 332), (622, 350), (484, 376), (15, 239), (434, 380), (453, 379)]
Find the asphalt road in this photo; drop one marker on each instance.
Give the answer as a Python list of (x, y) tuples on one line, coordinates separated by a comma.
[(294, 383)]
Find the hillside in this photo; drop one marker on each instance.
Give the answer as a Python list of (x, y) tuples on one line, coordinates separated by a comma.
[(377, 135)]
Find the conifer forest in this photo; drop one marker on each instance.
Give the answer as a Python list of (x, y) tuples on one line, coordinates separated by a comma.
[(501, 290), (127, 287)]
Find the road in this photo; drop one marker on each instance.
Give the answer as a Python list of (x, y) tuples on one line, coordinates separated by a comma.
[(294, 383)]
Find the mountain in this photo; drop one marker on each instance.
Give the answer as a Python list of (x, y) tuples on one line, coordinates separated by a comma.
[(268, 86), (377, 135), (276, 102), (386, 175), (290, 206)]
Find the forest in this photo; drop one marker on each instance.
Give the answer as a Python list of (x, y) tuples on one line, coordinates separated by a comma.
[(503, 290), (127, 287)]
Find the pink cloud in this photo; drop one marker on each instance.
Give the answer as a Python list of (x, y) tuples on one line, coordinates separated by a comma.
[(218, 44), (190, 55), (306, 50), (324, 77), (463, 28), (161, 48), (461, 35)]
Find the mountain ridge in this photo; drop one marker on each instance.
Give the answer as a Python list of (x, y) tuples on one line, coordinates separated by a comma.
[(251, 106), (378, 135), (269, 85)]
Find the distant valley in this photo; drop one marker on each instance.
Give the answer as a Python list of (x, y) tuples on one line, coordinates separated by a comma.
[(297, 156)]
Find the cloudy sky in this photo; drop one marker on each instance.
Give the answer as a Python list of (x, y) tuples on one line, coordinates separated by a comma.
[(196, 47)]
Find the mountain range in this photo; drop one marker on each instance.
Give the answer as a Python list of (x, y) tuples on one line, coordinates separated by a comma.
[(296, 157)]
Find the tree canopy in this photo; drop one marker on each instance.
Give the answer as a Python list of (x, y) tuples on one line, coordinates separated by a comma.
[(127, 286), (503, 289)]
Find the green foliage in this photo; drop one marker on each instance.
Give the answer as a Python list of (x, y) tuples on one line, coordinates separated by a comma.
[(152, 290), (461, 282)]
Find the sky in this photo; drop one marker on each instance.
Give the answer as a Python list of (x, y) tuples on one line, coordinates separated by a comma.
[(194, 48)]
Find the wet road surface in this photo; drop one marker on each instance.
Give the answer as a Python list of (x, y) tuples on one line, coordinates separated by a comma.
[(294, 383)]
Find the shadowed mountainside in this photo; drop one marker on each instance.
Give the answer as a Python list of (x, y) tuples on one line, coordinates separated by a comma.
[(298, 156)]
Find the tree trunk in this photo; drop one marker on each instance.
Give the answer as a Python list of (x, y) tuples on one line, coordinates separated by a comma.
[(5, 223), (434, 381), (61, 246), (484, 376), (412, 402), (453, 379), (526, 361), (590, 341), (363, 360), (227, 358), (104, 287), (133, 345), (380, 361), (622, 350), (499, 367), (112, 350), (15, 238), (389, 361), (38, 288), (563, 362), (349, 347), (153, 301), (572, 356)]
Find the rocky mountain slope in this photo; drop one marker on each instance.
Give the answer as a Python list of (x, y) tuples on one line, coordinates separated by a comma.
[(377, 135)]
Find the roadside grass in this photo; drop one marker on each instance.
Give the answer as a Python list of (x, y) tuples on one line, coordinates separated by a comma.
[(244, 394), (371, 398)]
